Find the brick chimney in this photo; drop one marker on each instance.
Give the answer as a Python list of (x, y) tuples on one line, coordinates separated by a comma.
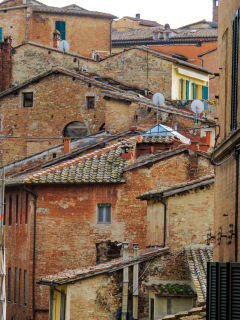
[(67, 145), (138, 16), (215, 11), (5, 63), (56, 39)]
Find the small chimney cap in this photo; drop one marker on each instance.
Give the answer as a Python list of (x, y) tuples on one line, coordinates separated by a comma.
[(138, 15)]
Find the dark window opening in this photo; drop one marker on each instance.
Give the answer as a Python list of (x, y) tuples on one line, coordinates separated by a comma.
[(54, 155), (10, 210), (9, 284), (107, 251), (27, 99), (104, 212), (90, 102), (17, 201), (15, 287), (234, 93), (26, 212), (102, 128), (75, 130), (25, 287)]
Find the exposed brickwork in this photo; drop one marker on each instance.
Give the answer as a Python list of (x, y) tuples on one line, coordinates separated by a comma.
[(5, 64), (70, 211)]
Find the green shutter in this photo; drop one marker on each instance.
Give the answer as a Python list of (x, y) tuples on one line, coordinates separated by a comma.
[(205, 93), (61, 27), (194, 90), (0, 33), (187, 90), (181, 89)]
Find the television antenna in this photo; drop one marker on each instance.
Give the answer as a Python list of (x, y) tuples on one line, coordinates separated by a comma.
[(64, 47), (197, 107), (158, 100)]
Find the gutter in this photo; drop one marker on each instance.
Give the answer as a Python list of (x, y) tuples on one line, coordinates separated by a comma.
[(35, 196)]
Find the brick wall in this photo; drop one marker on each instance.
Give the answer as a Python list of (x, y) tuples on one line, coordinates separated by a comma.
[(67, 230), (5, 64), (58, 100)]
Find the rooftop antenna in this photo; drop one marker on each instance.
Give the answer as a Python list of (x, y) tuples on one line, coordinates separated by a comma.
[(158, 100), (64, 47), (197, 107)]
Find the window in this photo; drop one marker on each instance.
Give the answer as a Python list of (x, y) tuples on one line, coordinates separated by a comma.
[(9, 284), (25, 287), (10, 210), (104, 212), (194, 87), (17, 200), (0, 33), (223, 290), (61, 27), (90, 102), (235, 40), (15, 287), (26, 209), (75, 129), (27, 99)]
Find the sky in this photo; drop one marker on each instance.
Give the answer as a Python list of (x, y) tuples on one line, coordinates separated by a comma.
[(175, 12)]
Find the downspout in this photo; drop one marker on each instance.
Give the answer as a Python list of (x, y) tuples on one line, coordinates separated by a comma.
[(135, 282), (35, 196), (236, 153), (111, 38), (165, 223)]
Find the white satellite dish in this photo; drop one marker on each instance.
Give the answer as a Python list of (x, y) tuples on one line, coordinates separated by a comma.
[(158, 99), (197, 106), (64, 46)]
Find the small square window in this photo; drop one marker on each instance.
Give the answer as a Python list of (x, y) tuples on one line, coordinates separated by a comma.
[(27, 99), (104, 212), (90, 102)]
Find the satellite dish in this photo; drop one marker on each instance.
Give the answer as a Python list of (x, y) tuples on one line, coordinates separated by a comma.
[(64, 46), (197, 106), (158, 99)]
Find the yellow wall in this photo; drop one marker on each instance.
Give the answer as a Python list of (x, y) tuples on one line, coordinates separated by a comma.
[(196, 77)]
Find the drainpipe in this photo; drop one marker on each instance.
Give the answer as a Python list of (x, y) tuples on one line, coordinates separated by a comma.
[(236, 204), (125, 247), (135, 283), (35, 196), (165, 223)]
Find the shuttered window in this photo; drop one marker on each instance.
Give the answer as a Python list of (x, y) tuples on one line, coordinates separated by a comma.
[(194, 87), (235, 43), (61, 27), (1, 34), (187, 90), (181, 89), (223, 291), (205, 93)]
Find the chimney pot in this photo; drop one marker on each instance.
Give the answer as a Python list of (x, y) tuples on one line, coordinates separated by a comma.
[(138, 16)]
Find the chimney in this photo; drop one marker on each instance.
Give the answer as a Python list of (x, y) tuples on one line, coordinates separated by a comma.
[(209, 138), (138, 16), (56, 39), (125, 246), (135, 282), (5, 63), (215, 11), (67, 145), (167, 26)]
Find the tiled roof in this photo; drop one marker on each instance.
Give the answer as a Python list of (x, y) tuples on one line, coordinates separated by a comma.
[(69, 276), (144, 22), (102, 166), (160, 155), (210, 23), (196, 33), (142, 33), (75, 11), (167, 58), (197, 258), (170, 289), (178, 188)]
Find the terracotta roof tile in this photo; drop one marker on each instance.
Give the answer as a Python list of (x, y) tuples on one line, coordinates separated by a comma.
[(197, 258), (144, 22)]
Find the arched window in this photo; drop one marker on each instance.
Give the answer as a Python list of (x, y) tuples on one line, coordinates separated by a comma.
[(75, 129)]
